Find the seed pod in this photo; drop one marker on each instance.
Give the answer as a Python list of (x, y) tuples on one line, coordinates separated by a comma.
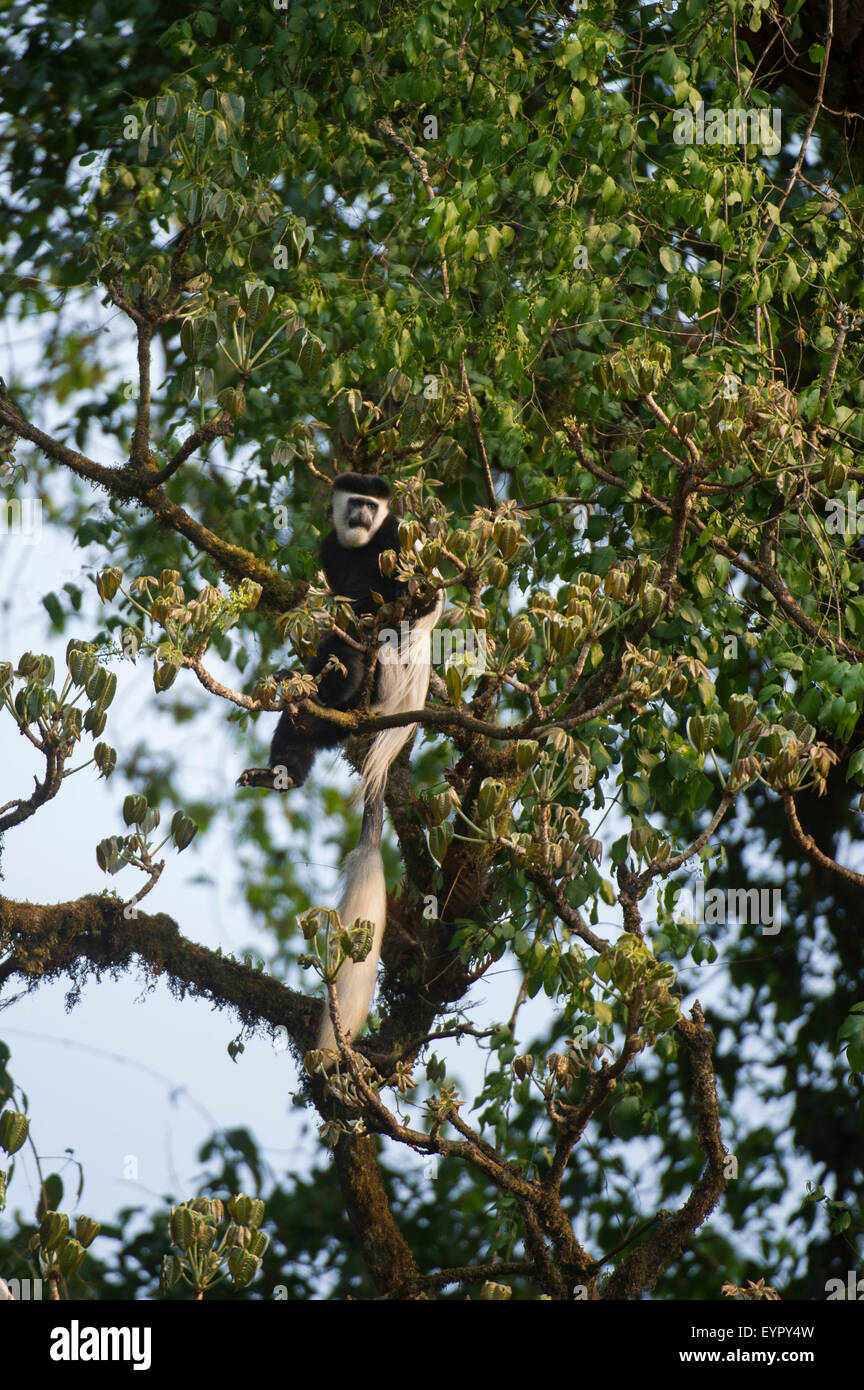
[(243, 1267), (86, 1230), (409, 532), (498, 573), (105, 758), (558, 739), (696, 733), (453, 682), (527, 750), (833, 472), (81, 666), (184, 1225), (28, 664), (460, 542), (238, 1235), (358, 941), (652, 602), (510, 538), (164, 675), (183, 830), (53, 1228), (520, 632), (438, 807), (430, 554), (14, 1128), (822, 761), (591, 582), (258, 1243), (246, 1211), (741, 710), (787, 760), (615, 584), (108, 582), (678, 685), (491, 798), (557, 1066), (134, 809), (439, 841), (70, 1258), (199, 1204), (541, 602), (523, 1066), (639, 838), (562, 638)]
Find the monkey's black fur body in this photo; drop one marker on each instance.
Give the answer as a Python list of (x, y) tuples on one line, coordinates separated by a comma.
[(352, 572), (363, 528)]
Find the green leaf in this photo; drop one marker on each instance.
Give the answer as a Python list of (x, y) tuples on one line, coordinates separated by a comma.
[(851, 1033), (492, 239)]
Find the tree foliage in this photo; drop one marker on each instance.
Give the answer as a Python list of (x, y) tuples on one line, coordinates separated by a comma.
[(612, 359)]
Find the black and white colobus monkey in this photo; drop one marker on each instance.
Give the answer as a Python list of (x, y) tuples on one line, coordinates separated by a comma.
[(363, 528)]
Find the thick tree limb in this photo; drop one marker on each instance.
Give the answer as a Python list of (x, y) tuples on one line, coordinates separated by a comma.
[(641, 1269), (386, 1253), (91, 935)]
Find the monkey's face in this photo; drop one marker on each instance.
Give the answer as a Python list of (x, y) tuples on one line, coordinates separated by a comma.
[(356, 518)]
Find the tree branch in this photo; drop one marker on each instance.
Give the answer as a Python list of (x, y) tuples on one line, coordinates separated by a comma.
[(641, 1269), (91, 935), (129, 484), (809, 845)]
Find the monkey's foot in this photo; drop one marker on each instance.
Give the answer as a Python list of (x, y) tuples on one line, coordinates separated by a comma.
[(273, 778)]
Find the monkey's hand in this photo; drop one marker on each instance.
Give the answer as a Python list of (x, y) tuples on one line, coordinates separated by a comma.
[(257, 777), (274, 779)]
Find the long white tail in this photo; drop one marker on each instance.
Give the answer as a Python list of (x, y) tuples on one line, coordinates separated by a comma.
[(364, 895), (403, 683)]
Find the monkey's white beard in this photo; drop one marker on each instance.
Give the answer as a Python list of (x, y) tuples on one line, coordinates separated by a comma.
[(365, 896), (403, 687), (352, 537)]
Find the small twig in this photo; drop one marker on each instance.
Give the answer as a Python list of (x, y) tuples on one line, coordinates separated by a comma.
[(799, 162)]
